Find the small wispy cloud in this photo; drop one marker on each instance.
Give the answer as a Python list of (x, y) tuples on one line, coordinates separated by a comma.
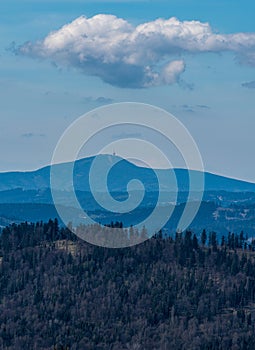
[(188, 108), (192, 108), (249, 84), (127, 135), (203, 106), (101, 100), (123, 55), (29, 135)]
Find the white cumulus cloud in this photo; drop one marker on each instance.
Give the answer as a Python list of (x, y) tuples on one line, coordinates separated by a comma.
[(149, 54)]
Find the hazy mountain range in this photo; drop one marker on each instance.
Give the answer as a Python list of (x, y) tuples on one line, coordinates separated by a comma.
[(121, 172), (228, 204)]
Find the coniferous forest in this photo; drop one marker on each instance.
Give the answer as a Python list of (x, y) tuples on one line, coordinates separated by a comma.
[(187, 292)]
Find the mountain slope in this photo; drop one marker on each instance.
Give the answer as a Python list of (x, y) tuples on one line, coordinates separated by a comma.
[(121, 173)]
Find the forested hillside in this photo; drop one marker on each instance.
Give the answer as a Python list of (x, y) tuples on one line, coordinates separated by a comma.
[(57, 292)]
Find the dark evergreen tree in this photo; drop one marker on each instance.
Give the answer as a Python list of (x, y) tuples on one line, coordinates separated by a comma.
[(203, 237)]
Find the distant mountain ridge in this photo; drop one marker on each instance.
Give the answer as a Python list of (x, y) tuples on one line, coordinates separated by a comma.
[(228, 204), (119, 176)]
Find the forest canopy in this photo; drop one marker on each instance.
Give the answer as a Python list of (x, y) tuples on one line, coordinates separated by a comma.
[(186, 292)]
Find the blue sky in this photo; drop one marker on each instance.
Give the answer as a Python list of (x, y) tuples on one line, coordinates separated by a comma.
[(213, 95)]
